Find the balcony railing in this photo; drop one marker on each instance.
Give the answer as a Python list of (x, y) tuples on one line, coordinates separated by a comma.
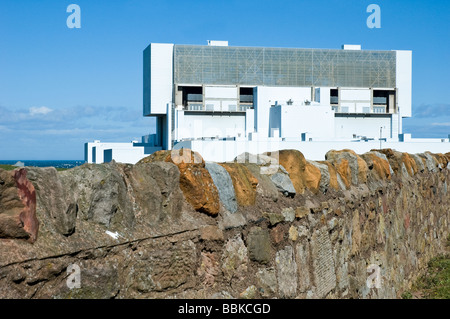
[(211, 107), (345, 109)]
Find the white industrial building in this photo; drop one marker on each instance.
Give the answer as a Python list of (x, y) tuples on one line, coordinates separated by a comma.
[(222, 101)]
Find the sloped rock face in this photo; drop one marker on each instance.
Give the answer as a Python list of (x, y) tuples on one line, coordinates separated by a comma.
[(378, 164), (351, 167), (302, 173), (244, 183), (224, 185), (17, 206), (132, 232), (154, 188), (58, 208), (295, 163), (266, 188), (195, 181), (283, 183), (442, 159), (401, 163), (330, 176)]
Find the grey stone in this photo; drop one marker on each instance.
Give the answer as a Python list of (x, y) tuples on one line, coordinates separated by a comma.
[(101, 194), (224, 185), (283, 184), (405, 173), (286, 272), (323, 263), (340, 181), (249, 293), (303, 231), (324, 183), (289, 214), (267, 281), (222, 295), (332, 223), (154, 190), (269, 170), (430, 163), (265, 186), (232, 220), (234, 259), (53, 199), (419, 162), (303, 259), (283, 170), (259, 247), (274, 218), (258, 159)]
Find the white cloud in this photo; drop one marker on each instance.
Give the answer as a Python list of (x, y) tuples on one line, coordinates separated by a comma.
[(441, 124), (39, 110)]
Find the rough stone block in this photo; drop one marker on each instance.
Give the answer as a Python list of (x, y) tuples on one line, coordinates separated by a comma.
[(323, 262), (286, 272), (259, 246)]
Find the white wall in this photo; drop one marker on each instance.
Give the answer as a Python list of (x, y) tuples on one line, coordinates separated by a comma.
[(267, 96), (355, 95), (249, 121), (317, 121), (158, 86), (222, 151), (221, 92), (345, 127), (101, 147), (126, 155), (355, 99), (404, 81), (197, 126), (324, 95)]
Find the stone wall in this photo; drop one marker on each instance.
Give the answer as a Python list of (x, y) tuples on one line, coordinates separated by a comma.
[(269, 226)]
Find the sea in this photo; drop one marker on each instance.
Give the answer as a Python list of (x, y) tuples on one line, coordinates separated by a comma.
[(44, 163)]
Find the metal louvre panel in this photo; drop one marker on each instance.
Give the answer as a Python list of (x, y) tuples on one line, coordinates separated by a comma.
[(217, 65)]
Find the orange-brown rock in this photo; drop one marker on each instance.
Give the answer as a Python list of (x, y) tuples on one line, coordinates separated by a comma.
[(244, 183), (350, 166), (195, 181), (295, 163), (410, 164), (343, 169), (378, 165), (182, 158), (333, 174), (17, 206), (312, 177), (443, 159), (396, 159)]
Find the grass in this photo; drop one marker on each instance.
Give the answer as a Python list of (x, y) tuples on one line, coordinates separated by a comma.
[(7, 167), (435, 283), (12, 167)]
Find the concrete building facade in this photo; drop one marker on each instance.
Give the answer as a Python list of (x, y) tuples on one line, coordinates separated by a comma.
[(221, 100)]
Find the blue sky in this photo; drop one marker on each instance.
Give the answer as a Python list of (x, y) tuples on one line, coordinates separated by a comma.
[(61, 87)]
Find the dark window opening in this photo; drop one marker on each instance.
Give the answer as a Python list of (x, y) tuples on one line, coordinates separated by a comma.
[(334, 96), (384, 101), (246, 97), (192, 96)]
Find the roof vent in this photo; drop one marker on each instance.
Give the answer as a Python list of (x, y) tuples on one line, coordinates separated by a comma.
[(218, 43), (351, 47)]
